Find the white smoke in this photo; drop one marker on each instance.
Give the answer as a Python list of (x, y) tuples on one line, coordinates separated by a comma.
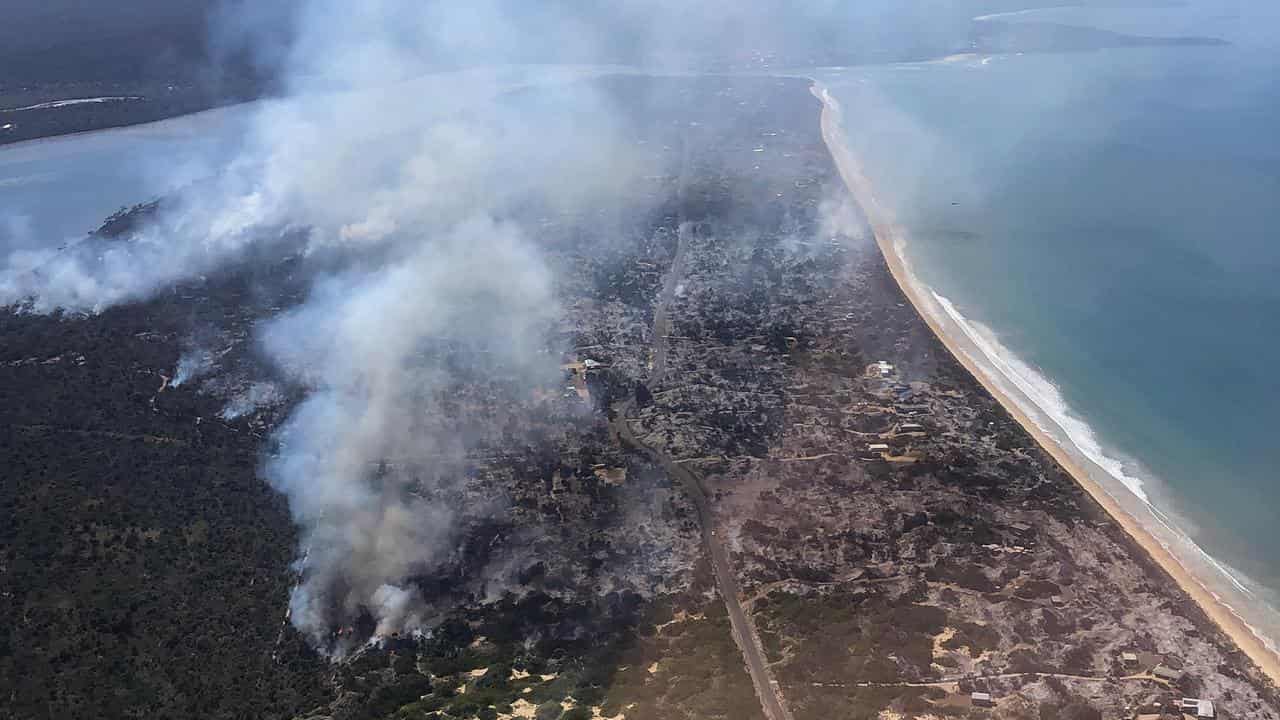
[(403, 181), (406, 177), (249, 400), (192, 364), (363, 343)]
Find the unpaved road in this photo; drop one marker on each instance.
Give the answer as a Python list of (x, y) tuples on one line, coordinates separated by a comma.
[(743, 633), (726, 583)]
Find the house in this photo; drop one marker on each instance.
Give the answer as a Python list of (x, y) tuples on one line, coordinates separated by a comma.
[(610, 476), (1164, 672), (1197, 707), (1129, 660), (880, 369), (981, 699), (874, 451)]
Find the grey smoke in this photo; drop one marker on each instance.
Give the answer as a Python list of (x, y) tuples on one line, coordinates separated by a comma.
[(249, 400), (192, 364), (402, 179), (406, 173), (360, 342), (92, 276)]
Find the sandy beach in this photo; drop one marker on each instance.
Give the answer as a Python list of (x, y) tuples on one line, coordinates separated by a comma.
[(888, 235)]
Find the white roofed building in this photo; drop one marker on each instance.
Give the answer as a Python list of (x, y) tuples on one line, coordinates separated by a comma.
[(1197, 707)]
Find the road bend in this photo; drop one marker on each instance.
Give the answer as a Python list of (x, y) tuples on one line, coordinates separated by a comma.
[(744, 634)]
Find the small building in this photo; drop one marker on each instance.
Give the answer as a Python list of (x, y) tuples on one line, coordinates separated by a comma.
[(1164, 672), (981, 699), (610, 476), (880, 369), (910, 428), (1057, 600), (1197, 707), (875, 451), (1129, 660)]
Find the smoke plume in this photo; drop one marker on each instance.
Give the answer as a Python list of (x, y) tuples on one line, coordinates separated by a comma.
[(405, 179), (364, 344), (404, 184)]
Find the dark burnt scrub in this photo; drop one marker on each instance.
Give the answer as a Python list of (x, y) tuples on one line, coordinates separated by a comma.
[(148, 565)]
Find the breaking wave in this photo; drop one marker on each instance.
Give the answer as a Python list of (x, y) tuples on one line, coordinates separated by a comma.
[(1043, 394), (1049, 410)]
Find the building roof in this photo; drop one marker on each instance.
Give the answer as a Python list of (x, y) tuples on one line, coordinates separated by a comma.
[(1202, 708)]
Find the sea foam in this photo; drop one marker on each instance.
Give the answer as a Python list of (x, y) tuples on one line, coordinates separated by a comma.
[(1045, 397), (1048, 408)]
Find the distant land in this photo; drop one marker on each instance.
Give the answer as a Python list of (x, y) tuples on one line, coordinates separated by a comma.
[(993, 36), (175, 58), (160, 54)]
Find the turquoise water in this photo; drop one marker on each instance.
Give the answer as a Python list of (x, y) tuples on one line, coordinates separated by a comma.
[(1113, 217)]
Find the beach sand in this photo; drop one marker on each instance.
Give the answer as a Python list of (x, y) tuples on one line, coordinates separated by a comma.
[(888, 235)]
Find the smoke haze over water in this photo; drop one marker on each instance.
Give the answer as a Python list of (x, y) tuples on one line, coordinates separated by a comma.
[(405, 185)]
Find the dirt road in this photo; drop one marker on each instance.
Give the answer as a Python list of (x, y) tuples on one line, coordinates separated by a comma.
[(726, 583)]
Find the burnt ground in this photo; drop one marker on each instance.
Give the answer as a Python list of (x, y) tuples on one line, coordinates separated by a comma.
[(958, 556), (146, 566)]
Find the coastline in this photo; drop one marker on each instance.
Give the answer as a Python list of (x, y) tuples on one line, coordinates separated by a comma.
[(212, 114), (953, 336)]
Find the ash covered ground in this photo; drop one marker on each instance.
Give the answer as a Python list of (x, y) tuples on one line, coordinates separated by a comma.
[(757, 487)]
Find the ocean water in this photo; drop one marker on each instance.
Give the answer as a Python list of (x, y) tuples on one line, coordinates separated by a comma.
[(1107, 225)]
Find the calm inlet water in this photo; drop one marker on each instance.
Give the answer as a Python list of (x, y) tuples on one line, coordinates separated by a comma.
[(1112, 219), (56, 190)]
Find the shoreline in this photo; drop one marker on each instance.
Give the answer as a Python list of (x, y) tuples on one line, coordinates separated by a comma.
[(123, 128), (956, 341)]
